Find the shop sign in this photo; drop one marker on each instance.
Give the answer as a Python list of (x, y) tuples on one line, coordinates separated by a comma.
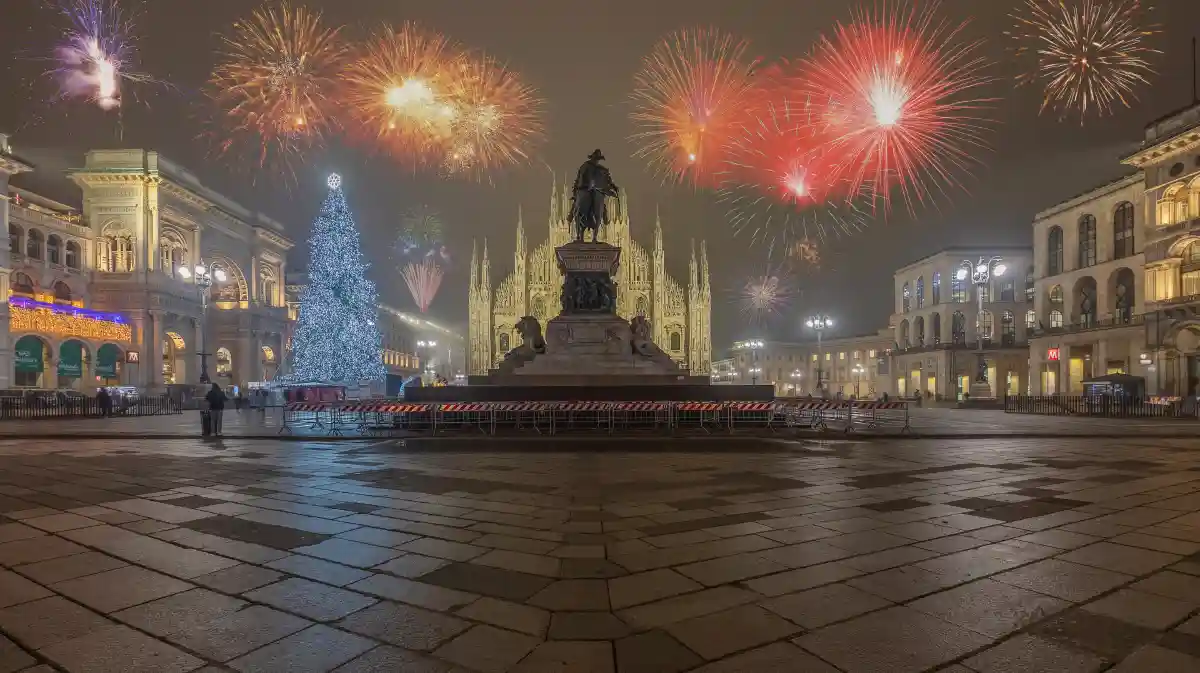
[(1052, 354)]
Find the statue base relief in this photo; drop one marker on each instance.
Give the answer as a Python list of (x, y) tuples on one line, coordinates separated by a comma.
[(588, 343)]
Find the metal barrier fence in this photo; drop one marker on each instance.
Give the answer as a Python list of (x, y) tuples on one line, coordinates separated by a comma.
[(23, 408), (381, 417), (1100, 406)]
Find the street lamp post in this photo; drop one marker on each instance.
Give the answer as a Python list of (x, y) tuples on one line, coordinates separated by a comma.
[(754, 372), (981, 273), (858, 370), (820, 323), (203, 278), (428, 347)]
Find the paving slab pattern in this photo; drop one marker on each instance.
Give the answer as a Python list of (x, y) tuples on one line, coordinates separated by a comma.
[(985, 555)]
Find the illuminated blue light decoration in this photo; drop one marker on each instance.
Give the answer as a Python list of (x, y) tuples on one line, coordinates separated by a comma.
[(24, 302), (336, 339)]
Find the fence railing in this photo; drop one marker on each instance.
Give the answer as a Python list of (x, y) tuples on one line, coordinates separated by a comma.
[(18, 408), (1100, 406), (381, 417)]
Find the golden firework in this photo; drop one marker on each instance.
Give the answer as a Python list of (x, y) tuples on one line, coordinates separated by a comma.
[(399, 89), (272, 85), (1088, 54), (497, 117)]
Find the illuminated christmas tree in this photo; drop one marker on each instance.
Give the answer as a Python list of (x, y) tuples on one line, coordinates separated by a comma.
[(336, 339)]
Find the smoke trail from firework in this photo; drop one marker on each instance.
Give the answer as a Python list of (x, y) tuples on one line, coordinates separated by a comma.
[(894, 87), (1088, 54), (688, 99), (273, 82), (423, 280), (98, 51)]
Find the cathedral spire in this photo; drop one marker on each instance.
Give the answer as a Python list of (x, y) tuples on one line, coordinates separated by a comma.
[(658, 242), (693, 270), (705, 287), (474, 266), (520, 229), (554, 214), (485, 270)]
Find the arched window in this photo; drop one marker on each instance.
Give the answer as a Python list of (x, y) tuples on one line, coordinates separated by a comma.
[(54, 249), (676, 341), (1087, 241), (904, 340), (920, 291), (1030, 290), (935, 324), (1030, 319), (72, 255), (267, 286), (1056, 319), (1056, 294), (172, 252), (115, 251), (224, 362), (62, 292), (539, 307), (1123, 230), (1054, 252), (905, 299), (985, 325), (14, 238), (937, 287), (34, 244), (21, 284), (505, 345), (1008, 328), (641, 308), (958, 328), (918, 331), (1123, 295)]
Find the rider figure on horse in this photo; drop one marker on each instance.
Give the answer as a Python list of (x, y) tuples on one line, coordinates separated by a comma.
[(593, 183)]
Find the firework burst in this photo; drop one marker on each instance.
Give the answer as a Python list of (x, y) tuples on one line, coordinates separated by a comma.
[(1088, 54), (688, 100), (98, 52), (781, 182), (496, 118), (398, 89), (273, 83), (765, 296), (894, 90), (420, 233), (423, 279)]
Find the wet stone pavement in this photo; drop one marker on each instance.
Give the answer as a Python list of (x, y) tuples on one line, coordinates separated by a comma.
[(1063, 555)]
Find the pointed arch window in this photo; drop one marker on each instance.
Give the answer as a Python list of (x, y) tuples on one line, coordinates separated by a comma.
[(920, 291), (641, 307), (936, 291)]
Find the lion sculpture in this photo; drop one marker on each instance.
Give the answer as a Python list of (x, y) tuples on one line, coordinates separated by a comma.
[(532, 342)]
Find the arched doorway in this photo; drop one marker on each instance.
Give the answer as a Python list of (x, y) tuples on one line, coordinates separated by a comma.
[(174, 364), (108, 365), (73, 361), (270, 363), (30, 355), (224, 363)]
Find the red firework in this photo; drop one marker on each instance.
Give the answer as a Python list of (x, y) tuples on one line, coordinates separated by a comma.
[(423, 280), (782, 178), (689, 97), (894, 91)]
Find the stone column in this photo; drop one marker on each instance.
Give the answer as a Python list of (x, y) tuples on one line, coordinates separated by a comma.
[(1064, 370), (153, 356), (1100, 358)]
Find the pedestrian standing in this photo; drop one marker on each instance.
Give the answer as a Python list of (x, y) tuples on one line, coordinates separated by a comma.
[(104, 400), (216, 406)]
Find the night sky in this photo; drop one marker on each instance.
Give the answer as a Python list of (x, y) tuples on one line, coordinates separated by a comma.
[(582, 56)]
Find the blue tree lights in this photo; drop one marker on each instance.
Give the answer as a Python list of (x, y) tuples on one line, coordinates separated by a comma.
[(336, 338)]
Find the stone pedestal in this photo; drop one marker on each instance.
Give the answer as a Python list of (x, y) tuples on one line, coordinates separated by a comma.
[(588, 343)]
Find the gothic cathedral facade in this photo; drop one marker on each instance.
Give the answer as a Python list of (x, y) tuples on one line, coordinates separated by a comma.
[(681, 319)]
